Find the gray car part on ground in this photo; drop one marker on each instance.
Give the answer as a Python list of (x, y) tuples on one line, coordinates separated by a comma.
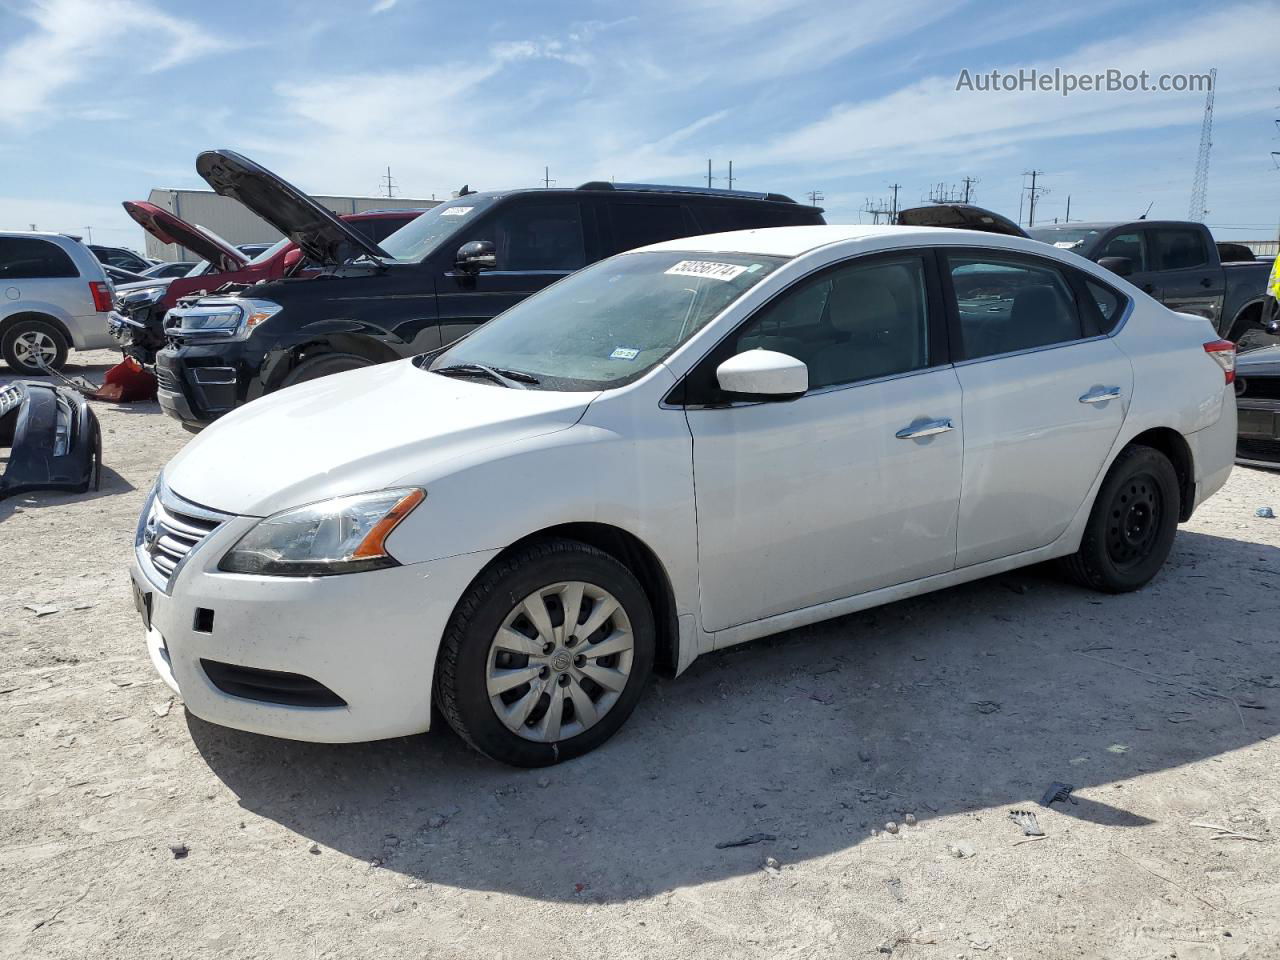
[(54, 439)]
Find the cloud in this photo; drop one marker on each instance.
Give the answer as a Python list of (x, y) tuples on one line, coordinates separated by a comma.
[(73, 39), (382, 6)]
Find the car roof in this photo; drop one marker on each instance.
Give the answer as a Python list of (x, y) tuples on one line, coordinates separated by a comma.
[(634, 192), (793, 241)]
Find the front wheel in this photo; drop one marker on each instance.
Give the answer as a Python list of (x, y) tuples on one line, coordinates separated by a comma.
[(546, 655), (324, 365), (1132, 525)]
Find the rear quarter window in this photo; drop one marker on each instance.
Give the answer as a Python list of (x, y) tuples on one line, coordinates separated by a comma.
[(31, 258), (1109, 303), (638, 224), (723, 217)]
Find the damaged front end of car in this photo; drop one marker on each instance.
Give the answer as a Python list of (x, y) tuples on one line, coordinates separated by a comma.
[(52, 438)]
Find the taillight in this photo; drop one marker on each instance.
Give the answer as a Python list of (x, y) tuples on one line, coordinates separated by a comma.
[(101, 295), (1224, 354)]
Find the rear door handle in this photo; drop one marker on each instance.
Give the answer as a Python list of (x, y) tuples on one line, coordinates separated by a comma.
[(1101, 395), (925, 428)]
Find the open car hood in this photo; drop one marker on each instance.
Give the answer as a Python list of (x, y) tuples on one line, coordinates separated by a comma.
[(167, 228), (318, 232), (960, 216)]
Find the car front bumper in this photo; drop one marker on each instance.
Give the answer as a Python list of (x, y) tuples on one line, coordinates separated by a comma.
[(197, 383), (327, 659)]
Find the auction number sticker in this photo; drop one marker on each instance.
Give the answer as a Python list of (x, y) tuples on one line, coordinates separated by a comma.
[(706, 268), (624, 353), (456, 211)]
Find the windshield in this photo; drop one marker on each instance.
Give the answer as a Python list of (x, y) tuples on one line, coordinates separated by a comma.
[(199, 270), (612, 322), (420, 236), (1067, 238)]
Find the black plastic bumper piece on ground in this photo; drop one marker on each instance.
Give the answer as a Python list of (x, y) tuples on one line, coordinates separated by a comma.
[(54, 439), (270, 686)]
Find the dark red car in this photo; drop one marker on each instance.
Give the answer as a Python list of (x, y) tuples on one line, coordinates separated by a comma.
[(138, 318)]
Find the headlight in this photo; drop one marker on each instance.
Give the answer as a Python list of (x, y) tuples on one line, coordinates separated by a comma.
[(224, 319), (346, 535), (141, 294)]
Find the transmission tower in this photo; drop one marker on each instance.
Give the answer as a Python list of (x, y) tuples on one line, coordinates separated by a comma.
[(1200, 187)]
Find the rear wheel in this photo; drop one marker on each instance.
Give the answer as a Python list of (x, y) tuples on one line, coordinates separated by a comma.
[(546, 655), (31, 346), (324, 365), (1132, 525)]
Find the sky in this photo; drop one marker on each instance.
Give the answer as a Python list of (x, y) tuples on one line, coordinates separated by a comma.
[(103, 100)]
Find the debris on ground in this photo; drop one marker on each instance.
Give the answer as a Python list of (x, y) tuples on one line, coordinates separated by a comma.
[(179, 850), (961, 851), (1265, 512), (40, 610), (1226, 833), (746, 841), (314, 848), (909, 819), (890, 827), (987, 706), (1057, 793), (544, 782), (772, 867), (1118, 748), (1026, 819), (162, 709)]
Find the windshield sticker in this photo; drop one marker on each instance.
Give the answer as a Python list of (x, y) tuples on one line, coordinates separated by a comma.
[(706, 268), (1068, 244), (456, 211), (625, 353)]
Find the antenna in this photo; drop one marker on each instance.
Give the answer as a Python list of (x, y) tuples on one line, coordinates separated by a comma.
[(1148, 210), (1200, 186), (879, 209)]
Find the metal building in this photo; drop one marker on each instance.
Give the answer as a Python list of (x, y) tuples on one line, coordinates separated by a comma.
[(233, 222)]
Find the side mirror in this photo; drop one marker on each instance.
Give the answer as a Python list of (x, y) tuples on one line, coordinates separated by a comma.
[(763, 374), (1120, 266), (292, 259), (476, 256)]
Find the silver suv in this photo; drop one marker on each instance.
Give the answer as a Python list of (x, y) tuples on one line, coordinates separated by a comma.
[(53, 296)]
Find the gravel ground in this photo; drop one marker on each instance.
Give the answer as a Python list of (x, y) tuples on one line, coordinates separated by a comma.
[(1160, 707)]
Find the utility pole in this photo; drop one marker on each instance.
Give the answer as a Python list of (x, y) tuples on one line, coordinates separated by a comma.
[(709, 177), (90, 229), (731, 176), (815, 196), (546, 178), (968, 188), (1034, 193), (1067, 218), (894, 216), (388, 184), (882, 210)]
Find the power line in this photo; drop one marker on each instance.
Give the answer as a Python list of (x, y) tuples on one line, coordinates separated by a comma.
[(815, 197), (1034, 193), (388, 184)]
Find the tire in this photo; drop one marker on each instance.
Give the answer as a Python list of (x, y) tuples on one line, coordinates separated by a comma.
[(474, 659), (1132, 524), (26, 339), (324, 365)]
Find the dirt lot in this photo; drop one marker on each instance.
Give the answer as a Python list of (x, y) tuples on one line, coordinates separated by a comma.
[(1160, 707)]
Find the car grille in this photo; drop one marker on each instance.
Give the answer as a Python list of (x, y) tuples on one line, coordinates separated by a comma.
[(1258, 388), (1268, 450), (173, 528), (11, 397)]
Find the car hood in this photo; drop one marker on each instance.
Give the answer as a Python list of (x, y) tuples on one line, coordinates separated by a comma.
[(167, 228), (124, 289), (1261, 362), (369, 429), (960, 216), (322, 236)]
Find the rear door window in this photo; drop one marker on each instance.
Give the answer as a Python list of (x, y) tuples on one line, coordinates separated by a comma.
[(723, 217), (639, 224), (1006, 304), (33, 258), (540, 236), (1178, 249)]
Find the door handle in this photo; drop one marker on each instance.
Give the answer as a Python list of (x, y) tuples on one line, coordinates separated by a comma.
[(1101, 395), (1206, 282), (925, 428)]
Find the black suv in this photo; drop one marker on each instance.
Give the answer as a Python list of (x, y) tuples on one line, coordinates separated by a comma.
[(433, 281)]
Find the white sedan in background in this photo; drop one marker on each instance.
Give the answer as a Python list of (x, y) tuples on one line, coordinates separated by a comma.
[(672, 451)]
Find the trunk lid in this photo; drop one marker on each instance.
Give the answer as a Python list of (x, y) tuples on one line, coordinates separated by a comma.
[(317, 231), (167, 228)]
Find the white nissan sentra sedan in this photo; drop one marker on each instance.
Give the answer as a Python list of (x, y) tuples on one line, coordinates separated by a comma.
[(672, 451)]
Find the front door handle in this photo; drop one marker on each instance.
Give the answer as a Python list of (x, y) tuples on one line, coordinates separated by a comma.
[(1206, 282), (925, 428), (1101, 395)]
